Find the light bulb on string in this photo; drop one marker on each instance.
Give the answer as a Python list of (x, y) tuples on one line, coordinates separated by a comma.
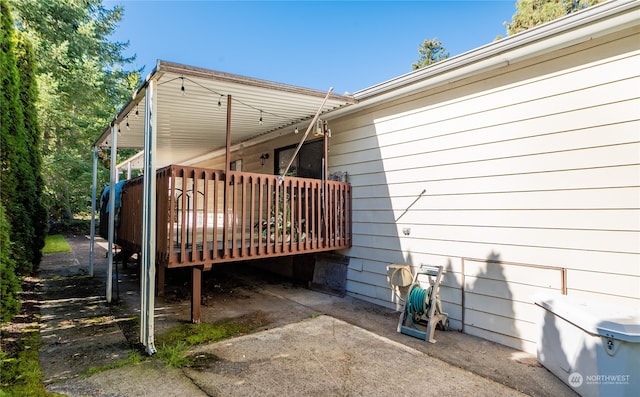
[(182, 87), (260, 122), (220, 101), (137, 110), (128, 128), (296, 130)]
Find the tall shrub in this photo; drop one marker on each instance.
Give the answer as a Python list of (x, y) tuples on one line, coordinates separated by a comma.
[(15, 168), (9, 283), (33, 190), (9, 105)]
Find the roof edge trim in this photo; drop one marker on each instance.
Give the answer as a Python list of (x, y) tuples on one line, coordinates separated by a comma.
[(171, 67)]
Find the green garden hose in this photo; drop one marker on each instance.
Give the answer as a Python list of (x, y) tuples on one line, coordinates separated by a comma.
[(418, 301)]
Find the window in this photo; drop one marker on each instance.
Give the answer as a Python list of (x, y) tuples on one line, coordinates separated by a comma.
[(236, 165), (308, 162)]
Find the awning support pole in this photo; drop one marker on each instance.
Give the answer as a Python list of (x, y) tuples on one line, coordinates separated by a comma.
[(93, 211), (325, 171), (227, 168), (148, 264), (112, 207)]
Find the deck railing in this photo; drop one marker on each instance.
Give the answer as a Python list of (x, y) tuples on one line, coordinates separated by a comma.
[(206, 217)]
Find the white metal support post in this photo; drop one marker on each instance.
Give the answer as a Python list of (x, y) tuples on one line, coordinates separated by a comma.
[(112, 207), (148, 265), (93, 211)]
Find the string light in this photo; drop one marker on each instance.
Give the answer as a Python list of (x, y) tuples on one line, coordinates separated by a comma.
[(220, 101), (260, 122), (137, 110), (296, 130), (128, 128), (235, 99)]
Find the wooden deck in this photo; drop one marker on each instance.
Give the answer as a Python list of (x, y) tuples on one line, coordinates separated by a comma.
[(205, 217)]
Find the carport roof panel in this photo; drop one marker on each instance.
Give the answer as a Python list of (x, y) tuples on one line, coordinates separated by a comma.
[(192, 122)]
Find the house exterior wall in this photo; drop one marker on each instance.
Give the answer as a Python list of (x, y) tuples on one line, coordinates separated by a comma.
[(250, 152), (518, 181)]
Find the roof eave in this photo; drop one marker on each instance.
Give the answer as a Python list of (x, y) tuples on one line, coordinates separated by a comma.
[(163, 67), (136, 97)]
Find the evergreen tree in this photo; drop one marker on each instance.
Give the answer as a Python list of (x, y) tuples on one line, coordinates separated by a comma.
[(430, 52), (28, 98), (16, 174), (82, 81), (530, 13), (9, 283)]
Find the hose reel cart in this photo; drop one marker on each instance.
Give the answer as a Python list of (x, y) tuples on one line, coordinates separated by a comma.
[(422, 311)]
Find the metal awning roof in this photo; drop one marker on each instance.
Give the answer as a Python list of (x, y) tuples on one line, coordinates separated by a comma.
[(192, 122)]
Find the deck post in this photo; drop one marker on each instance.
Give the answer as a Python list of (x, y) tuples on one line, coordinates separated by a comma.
[(196, 293), (225, 199), (161, 270), (325, 176)]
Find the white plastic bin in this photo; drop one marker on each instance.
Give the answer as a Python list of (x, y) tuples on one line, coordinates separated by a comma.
[(593, 348)]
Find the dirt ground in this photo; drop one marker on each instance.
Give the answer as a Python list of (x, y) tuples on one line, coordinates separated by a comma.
[(80, 330)]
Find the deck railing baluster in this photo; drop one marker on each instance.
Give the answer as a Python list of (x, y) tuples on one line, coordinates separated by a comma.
[(263, 217)]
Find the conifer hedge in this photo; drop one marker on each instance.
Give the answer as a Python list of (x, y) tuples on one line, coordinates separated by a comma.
[(22, 215)]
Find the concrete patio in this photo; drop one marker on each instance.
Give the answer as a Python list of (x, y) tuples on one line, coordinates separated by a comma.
[(314, 344)]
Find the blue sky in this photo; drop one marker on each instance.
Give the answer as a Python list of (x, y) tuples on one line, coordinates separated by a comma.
[(348, 45)]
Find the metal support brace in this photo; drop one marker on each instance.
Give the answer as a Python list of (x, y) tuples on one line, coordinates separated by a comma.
[(148, 264), (93, 211), (112, 208)]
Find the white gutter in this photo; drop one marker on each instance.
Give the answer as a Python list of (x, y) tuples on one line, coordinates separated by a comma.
[(594, 22)]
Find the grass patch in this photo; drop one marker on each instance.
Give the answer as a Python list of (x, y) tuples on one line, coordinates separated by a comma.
[(173, 355), (173, 345), (197, 334), (134, 357), (55, 244), (21, 375)]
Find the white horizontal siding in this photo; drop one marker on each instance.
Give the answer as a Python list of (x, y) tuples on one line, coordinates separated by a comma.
[(601, 198), (538, 165), (609, 176), (502, 163), (576, 239), (607, 220), (625, 285)]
